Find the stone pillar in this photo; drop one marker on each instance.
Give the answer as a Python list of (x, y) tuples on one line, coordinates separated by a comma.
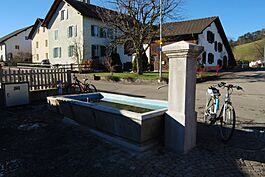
[(181, 118)]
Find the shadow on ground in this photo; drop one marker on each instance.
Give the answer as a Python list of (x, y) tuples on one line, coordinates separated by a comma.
[(35, 143), (258, 75)]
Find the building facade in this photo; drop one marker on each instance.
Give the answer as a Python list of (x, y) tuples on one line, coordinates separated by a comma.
[(206, 32), (16, 46), (76, 33), (40, 44)]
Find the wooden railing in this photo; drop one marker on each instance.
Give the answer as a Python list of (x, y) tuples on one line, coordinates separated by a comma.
[(38, 79)]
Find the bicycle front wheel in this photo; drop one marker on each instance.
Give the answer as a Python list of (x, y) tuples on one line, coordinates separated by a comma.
[(91, 88), (227, 122)]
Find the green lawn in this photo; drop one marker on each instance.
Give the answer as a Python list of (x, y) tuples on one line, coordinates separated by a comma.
[(250, 52), (145, 76), (126, 75)]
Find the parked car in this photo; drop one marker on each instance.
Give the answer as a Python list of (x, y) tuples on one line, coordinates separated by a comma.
[(45, 62)]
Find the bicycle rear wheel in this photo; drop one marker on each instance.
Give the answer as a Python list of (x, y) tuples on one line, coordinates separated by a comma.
[(91, 88), (209, 110), (74, 88), (227, 122)]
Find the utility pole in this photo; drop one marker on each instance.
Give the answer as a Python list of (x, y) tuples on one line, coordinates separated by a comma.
[(160, 45), (263, 64)]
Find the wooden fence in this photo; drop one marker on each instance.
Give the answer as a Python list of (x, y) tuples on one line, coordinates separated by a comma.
[(38, 79)]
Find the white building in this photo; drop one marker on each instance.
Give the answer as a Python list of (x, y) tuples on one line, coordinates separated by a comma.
[(76, 32), (16, 45), (206, 32), (40, 44)]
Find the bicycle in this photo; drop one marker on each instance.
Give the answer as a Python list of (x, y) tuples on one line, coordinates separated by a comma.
[(227, 114), (81, 87)]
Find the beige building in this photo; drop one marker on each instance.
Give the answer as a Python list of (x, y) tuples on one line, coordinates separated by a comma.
[(76, 32), (40, 44)]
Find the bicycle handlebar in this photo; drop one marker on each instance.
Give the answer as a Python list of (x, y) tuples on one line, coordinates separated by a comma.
[(229, 86)]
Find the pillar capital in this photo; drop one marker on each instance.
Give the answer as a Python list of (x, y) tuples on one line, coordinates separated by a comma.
[(182, 50)]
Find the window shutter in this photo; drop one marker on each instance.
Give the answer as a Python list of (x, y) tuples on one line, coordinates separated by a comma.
[(54, 53), (75, 30), (69, 54), (68, 31), (60, 53), (66, 14)]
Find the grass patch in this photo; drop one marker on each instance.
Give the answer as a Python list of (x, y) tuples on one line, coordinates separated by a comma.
[(145, 76), (250, 52)]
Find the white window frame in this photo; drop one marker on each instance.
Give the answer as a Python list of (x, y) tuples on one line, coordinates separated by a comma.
[(59, 54), (73, 32), (96, 31), (97, 50), (56, 35), (71, 50), (64, 14)]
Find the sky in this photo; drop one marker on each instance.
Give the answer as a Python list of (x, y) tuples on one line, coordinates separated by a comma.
[(237, 16)]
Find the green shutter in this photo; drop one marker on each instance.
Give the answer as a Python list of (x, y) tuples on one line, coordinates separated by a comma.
[(92, 30)]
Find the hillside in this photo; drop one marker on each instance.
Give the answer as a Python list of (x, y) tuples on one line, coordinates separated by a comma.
[(250, 51)]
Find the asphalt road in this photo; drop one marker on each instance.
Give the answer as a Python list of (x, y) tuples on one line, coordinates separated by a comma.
[(249, 105)]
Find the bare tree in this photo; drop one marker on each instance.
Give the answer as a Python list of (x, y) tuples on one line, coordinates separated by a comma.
[(136, 21)]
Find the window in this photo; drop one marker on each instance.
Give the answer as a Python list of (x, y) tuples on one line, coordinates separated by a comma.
[(1, 47), (10, 56), (37, 44), (64, 14), (204, 57), (110, 33), (71, 50), (220, 47), (95, 51), (46, 55), (210, 58), (103, 33), (26, 38), (43, 29), (38, 30), (46, 43), (72, 31), (95, 30), (210, 37), (57, 52), (102, 51), (56, 35), (1, 58), (17, 47), (38, 57)]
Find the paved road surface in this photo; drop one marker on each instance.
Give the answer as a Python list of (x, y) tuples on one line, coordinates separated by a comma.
[(249, 105), (35, 143)]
